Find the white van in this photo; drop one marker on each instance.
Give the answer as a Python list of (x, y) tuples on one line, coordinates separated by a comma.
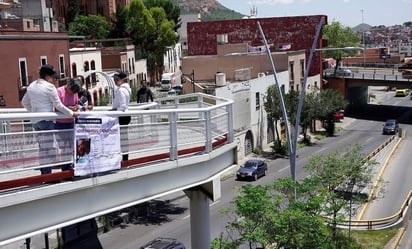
[(170, 80)]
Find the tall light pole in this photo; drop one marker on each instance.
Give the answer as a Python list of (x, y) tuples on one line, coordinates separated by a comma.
[(363, 40), (292, 140)]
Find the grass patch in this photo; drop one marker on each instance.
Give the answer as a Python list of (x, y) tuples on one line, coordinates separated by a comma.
[(320, 135), (376, 239)]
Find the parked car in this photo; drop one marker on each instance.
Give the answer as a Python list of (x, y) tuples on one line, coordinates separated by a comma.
[(176, 90), (252, 169), (391, 126), (343, 71), (337, 116), (163, 243)]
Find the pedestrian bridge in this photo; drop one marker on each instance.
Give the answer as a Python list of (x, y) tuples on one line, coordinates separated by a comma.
[(177, 143)]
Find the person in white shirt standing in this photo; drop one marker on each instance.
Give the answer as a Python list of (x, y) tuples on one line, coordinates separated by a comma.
[(41, 96), (121, 100)]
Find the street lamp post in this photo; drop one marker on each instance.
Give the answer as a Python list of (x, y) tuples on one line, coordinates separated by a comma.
[(363, 41), (292, 145)]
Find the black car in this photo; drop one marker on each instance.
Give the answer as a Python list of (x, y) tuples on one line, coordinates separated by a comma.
[(391, 126), (163, 243), (252, 169)]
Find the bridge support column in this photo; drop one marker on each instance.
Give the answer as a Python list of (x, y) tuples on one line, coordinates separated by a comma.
[(199, 218)]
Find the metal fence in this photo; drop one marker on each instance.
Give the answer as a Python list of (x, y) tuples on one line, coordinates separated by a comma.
[(168, 129)]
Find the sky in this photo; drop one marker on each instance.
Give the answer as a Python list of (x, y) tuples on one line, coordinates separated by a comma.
[(348, 12)]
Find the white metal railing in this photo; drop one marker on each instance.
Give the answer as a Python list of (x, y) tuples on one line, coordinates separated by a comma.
[(167, 129)]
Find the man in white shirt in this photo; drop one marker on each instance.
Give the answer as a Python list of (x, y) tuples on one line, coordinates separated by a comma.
[(121, 101), (41, 96)]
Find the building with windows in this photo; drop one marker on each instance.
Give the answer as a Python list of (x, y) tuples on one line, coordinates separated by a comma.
[(26, 52), (228, 59), (29, 15)]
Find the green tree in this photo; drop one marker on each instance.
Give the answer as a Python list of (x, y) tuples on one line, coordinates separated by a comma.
[(119, 29), (288, 214), (152, 32), (407, 24), (340, 178), (172, 11), (273, 216), (164, 37), (274, 112), (339, 36), (73, 10), (329, 101), (91, 26), (140, 24)]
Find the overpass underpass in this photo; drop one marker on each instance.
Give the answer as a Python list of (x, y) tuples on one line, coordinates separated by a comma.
[(355, 89), (180, 143)]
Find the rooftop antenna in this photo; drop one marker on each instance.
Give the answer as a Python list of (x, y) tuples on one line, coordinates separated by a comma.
[(253, 11)]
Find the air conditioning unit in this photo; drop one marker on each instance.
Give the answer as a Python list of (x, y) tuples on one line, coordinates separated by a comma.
[(261, 75), (220, 79)]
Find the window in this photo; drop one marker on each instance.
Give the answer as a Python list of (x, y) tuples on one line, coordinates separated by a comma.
[(43, 60), (61, 66), (302, 68), (291, 72), (257, 101), (86, 67), (23, 72), (93, 67)]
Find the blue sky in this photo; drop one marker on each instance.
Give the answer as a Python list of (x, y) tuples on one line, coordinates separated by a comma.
[(347, 12)]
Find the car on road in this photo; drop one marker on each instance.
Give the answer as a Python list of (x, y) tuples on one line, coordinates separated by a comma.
[(163, 243), (401, 92), (176, 90), (391, 126), (252, 169), (343, 71)]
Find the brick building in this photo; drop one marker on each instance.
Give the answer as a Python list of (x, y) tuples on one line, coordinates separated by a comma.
[(25, 53), (283, 33)]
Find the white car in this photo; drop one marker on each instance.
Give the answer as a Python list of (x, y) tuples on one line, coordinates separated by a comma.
[(343, 71)]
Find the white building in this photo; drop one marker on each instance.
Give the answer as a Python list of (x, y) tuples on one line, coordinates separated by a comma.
[(250, 122)]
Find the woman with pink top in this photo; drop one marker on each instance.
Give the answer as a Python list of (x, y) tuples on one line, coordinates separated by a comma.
[(68, 95)]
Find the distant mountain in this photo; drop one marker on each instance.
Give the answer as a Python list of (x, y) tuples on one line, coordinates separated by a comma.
[(208, 9), (361, 27)]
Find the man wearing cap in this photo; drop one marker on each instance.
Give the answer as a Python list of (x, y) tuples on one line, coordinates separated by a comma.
[(41, 96), (121, 101)]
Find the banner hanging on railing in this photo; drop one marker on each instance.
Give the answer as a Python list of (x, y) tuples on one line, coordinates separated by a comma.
[(97, 144)]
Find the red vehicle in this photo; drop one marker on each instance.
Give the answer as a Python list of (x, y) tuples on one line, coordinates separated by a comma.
[(337, 116)]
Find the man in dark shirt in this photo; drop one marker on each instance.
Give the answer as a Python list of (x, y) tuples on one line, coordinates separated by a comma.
[(144, 94)]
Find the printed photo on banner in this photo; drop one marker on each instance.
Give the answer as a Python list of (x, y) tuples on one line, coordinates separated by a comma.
[(97, 140)]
